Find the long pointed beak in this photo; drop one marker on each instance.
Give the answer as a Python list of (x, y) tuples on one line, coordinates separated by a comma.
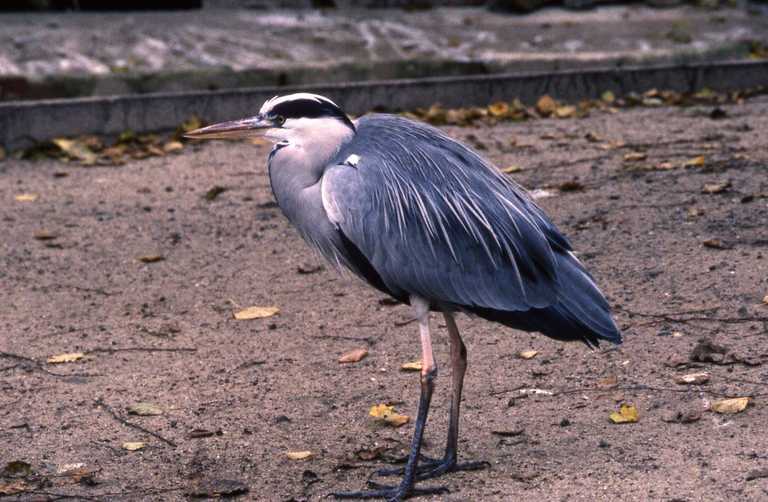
[(235, 129)]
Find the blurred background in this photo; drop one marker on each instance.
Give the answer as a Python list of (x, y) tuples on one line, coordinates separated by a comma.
[(79, 48)]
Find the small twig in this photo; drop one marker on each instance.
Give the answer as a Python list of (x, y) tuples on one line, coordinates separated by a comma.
[(41, 366), (100, 402), (142, 349), (405, 323)]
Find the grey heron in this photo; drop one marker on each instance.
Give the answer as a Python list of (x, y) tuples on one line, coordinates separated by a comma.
[(428, 221)]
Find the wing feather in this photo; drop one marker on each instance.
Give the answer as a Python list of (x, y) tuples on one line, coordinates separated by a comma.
[(434, 219)]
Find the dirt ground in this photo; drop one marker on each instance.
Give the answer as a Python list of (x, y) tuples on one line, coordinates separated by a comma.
[(677, 263)]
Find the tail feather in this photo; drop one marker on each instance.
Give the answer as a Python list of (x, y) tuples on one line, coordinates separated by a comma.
[(581, 313)]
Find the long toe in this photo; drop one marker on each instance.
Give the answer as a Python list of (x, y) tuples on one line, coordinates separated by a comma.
[(391, 493), (425, 464), (448, 466)]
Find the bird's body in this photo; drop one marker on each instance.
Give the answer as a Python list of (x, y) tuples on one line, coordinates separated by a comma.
[(426, 220)]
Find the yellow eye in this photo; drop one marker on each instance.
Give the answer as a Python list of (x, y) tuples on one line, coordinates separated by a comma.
[(279, 120)]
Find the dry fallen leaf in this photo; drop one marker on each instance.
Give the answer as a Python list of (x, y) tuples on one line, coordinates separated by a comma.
[(133, 445), (608, 382), (627, 414), (353, 356), (66, 358), (634, 156), (173, 146), (44, 235), (717, 244), (716, 187), (765, 299), (13, 487), (693, 378), (511, 169), (150, 258), (411, 366), (608, 97), (695, 162), (299, 455), (734, 405), (26, 197), (145, 409), (76, 149), (546, 105), (499, 109), (256, 313), (387, 414), (565, 112), (527, 354)]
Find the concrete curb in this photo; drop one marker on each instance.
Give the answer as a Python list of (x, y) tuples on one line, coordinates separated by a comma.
[(24, 123)]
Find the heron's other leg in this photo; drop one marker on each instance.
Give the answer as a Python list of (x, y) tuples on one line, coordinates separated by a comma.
[(430, 468), (428, 375)]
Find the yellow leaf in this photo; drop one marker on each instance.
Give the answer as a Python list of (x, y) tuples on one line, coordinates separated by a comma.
[(133, 445), (734, 405), (256, 313), (191, 124), (634, 156), (145, 409), (527, 354), (76, 149), (26, 197), (387, 414), (299, 455), (173, 146), (499, 109), (512, 169), (150, 258), (353, 356), (546, 105), (564, 112), (69, 357), (608, 97), (411, 366), (627, 414), (695, 162), (765, 299)]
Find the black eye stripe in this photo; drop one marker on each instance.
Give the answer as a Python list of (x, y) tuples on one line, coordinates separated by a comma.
[(309, 108)]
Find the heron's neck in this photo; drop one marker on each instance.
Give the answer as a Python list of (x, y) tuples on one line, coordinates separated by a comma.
[(297, 164)]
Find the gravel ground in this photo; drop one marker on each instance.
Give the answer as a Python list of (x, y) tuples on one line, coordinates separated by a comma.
[(678, 264)]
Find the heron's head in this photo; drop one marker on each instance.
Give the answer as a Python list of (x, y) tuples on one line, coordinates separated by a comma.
[(293, 118)]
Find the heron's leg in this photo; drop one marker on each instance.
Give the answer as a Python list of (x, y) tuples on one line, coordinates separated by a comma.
[(428, 375), (430, 468)]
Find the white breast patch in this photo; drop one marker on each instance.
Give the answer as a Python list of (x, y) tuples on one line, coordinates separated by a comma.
[(352, 160)]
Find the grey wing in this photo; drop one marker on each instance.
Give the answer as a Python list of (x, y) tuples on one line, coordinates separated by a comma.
[(432, 218)]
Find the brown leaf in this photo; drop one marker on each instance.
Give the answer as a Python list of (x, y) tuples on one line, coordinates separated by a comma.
[(498, 110), (730, 406), (69, 357), (527, 354), (256, 313), (571, 186), (353, 356), (44, 235), (511, 169), (13, 487), (765, 299), (546, 105), (133, 445), (717, 244), (150, 258), (608, 382), (26, 197), (214, 192)]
